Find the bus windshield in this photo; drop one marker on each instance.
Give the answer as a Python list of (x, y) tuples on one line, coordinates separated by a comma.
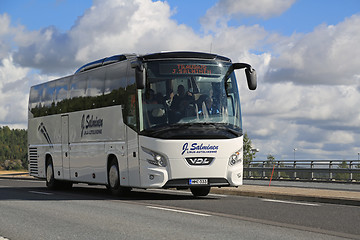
[(185, 99)]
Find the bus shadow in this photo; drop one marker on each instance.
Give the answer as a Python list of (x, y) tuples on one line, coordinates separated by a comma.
[(90, 193)]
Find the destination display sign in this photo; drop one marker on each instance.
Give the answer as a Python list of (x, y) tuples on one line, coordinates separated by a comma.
[(186, 69)]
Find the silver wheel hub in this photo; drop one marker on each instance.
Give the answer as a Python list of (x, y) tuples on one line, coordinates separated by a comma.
[(49, 173), (113, 176)]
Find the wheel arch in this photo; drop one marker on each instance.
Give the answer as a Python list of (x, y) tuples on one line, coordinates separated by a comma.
[(110, 158), (48, 158)]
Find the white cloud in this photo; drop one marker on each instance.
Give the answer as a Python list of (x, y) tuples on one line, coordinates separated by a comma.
[(312, 118), (108, 28), (328, 56), (15, 82), (4, 33), (112, 27), (13, 89), (218, 16)]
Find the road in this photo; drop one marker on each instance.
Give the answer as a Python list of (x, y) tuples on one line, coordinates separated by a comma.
[(30, 211), (302, 184)]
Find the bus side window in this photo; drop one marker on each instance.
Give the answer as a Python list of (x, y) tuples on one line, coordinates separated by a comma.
[(35, 100), (129, 109), (95, 89), (62, 95), (115, 84), (48, 98), (78, 92)]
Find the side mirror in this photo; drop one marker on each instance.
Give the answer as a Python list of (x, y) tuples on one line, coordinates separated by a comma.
[(139, 74), (251, 78), (250, 74)]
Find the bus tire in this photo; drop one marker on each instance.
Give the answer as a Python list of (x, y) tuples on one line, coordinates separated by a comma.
[(114, 179), (200, 191), (51, 182)]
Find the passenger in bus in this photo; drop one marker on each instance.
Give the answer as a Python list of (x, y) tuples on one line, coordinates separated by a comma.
[(154, 110), (181, 105), (181, 100), (150, 97), (206, 105)]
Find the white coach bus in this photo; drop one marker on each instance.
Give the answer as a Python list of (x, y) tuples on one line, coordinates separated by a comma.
[(162, 120)]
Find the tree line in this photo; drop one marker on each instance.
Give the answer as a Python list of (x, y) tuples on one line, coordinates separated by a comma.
[(13, 148)]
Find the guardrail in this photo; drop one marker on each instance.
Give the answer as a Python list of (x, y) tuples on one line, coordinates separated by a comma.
[(308, 170)]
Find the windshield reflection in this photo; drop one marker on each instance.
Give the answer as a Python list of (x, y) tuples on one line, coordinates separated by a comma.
[(182, 94)]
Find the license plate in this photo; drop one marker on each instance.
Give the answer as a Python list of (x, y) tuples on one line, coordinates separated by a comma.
[(198, 181)]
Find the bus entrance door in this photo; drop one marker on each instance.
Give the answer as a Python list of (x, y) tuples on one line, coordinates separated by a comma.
[(65, 153), (133, 157)]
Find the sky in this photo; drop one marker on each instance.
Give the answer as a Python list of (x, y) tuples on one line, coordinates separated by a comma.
[(306, 54)]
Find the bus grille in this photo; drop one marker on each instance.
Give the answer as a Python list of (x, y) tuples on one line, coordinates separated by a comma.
[(33, 161)]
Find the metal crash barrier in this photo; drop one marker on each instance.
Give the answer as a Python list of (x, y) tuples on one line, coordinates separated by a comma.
[(306, 170)]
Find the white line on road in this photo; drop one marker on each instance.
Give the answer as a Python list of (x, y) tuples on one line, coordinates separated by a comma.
[(184, 192), (42, 193), (290, 202), (180, 211)]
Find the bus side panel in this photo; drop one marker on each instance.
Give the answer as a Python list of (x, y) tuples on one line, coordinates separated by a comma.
[(44, 138), (94, 134)]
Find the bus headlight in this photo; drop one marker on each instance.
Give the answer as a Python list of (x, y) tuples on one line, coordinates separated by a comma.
[(235, 158), (157, 159)]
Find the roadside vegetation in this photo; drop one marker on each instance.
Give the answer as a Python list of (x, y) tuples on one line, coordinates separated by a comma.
[(13, 149)]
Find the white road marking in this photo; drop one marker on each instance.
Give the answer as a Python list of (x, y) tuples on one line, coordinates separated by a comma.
[(42, 193), (290, 202), (180, 211), (217, 195), (169, 191), (184, 192)]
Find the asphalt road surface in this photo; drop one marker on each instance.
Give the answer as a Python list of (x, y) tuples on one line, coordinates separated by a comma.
[(29, 211), (301, 184)]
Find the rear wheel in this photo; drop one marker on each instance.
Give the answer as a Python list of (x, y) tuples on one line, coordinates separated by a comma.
[(51, 182), (200, 191), (114, 180)]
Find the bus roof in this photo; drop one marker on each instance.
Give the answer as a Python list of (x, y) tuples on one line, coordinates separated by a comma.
[(104, 61), (152, 56), (184, 54)]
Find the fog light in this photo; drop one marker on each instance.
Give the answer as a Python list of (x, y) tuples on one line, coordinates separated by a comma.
[(151, 177)]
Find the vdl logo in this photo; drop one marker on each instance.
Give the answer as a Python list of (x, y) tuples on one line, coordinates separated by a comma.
[(200, 161)]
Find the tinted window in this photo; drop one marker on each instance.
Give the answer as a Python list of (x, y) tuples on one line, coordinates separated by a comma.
[(130, 114), (35, 99), (106, 86), (61, 92), (115, 84), (95, 89), (48, 95)]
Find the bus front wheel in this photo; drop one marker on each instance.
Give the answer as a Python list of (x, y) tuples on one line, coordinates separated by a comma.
[(200, 191), (114, 180)]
